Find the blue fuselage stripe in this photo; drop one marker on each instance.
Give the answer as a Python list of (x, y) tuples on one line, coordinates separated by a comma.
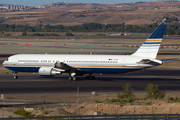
[(93, 70), (152, 43)]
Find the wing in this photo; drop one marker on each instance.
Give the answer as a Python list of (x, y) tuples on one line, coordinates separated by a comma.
[(60, 66)]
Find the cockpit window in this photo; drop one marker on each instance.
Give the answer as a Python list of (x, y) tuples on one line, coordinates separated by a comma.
[(7, 59)]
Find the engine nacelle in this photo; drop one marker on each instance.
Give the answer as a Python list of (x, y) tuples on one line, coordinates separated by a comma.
[(48, 71)]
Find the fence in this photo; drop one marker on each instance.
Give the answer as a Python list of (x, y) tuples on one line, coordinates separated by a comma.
[(91, 109), (101, 117), (83, 108), (59, 105)]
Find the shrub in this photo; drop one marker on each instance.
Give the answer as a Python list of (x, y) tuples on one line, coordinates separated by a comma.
[(10, 116), (129, 99), (41, 108), (107, 100), (39, 115), (51, 34), (96, 101), (58, 105), (149, 103), (123, 101), (46, 112), (128, 90), (121, 96), (136, 98), (157, 93), (69, 34), (23, 113), (101, 35), (145, 98), (24, 34), (121, 104), (170, 98), (114, 100), (176, 98), (37, 34)]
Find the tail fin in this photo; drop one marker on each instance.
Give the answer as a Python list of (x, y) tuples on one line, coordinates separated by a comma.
[(151, 46)]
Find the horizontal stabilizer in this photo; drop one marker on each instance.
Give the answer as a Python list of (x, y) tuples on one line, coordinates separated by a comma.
[(165, 60)]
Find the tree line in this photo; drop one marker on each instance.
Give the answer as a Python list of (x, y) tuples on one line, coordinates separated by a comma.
[(172, 28)]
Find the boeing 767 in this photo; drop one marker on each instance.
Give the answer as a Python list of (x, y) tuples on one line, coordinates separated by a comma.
[(79, 65)]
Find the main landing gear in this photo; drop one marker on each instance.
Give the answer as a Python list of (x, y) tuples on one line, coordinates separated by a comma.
[(15, 75), (73, 77), (87, 78)]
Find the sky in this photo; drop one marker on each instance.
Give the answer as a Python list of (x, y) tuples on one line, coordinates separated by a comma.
[(43, 2)]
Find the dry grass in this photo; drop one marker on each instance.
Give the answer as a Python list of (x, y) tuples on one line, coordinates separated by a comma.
[(76, 16), (67, 24), (138, 21), (85, 40), (4, 70), (88, 105), (76, 10), (170, 64), (165, 41)]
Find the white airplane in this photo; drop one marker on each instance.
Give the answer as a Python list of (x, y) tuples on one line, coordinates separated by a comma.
[(78, 65)]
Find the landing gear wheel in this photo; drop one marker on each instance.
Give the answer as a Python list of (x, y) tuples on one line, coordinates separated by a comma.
[(15, 77), (70, 78), (75, 78)]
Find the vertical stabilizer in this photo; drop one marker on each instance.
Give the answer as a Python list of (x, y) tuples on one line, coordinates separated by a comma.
[(151, 46)]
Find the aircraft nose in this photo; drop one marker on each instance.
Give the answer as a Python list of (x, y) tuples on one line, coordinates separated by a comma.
[(4, 63)]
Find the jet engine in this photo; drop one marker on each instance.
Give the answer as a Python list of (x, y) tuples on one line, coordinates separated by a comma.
[(49, 71)]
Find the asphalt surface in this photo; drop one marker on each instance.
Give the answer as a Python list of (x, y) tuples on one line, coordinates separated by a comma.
[(72, 47), (170, 53), (87, 37), (166, 79)]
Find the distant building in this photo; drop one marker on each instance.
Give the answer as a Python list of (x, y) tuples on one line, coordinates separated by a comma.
[(146, 7)]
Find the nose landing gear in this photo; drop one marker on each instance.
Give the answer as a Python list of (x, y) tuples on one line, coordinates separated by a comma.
[(15, 75)]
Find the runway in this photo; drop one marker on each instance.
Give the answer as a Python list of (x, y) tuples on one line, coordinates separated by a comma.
[(86, 37), (166, 79)]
